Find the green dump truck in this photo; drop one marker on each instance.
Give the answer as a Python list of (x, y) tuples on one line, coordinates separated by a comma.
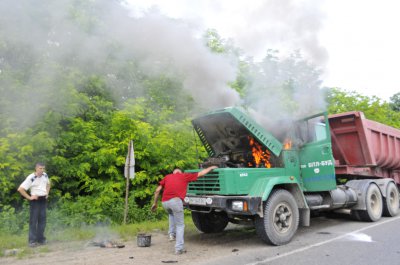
[(320, 163)]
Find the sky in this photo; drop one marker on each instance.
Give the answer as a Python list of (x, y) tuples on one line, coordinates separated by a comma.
[(355, 43)]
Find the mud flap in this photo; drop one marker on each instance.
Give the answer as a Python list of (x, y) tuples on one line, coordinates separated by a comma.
[(304, 216)]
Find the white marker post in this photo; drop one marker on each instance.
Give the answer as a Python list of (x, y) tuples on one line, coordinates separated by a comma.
[(129, 173)]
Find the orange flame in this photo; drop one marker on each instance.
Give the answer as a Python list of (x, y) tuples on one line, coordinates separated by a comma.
[(287, 144), (260, 156)]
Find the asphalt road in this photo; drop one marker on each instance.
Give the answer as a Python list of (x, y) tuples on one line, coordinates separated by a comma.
[(337, 240)]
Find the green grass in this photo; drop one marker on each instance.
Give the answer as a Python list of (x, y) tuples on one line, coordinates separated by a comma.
[(85, 233), (130, 231), (11, 242)]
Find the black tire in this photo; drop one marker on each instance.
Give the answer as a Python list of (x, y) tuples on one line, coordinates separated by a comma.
[(374, 204), (391, 202), (281, 218), (212, 222)]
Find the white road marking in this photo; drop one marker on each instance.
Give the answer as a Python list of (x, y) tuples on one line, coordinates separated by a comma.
[(359, 237), (323, 242)]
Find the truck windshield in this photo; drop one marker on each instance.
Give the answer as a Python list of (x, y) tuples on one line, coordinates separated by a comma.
[(312, 130)]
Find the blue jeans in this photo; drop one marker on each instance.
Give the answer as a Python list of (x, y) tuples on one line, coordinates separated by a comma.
[(174, 207)]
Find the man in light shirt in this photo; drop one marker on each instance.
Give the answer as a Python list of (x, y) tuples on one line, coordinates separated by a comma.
[(39, 185)]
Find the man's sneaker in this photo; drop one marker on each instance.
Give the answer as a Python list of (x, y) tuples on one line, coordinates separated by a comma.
[(180, 252), (171, 237)]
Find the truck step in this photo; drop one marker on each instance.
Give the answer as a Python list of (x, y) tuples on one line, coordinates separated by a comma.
[(316, 207)]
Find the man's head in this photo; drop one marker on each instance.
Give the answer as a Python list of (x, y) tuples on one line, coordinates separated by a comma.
[(177, 170), (39, 169)]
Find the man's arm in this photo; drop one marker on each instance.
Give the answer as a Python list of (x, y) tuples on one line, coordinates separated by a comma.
[(156, 195), (205, 171), (25, 194), (48, 189)]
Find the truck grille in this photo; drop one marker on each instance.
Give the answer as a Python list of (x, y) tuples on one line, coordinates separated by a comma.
[(206, 184)]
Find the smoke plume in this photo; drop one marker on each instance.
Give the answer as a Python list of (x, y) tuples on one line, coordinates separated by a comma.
[(100, 37), (281, 86), (285, 25), (43, 40)]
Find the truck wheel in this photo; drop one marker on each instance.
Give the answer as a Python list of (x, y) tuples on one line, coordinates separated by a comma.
[(391, 202), (373, 201), (212, 222), (281, 219)]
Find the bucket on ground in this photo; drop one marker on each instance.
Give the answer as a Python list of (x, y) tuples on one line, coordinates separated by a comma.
[(143, 240)]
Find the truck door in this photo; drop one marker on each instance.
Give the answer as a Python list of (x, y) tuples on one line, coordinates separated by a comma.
[(317, 165)]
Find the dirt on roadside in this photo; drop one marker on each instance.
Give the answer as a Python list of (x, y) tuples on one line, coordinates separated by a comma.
[(200, 248)]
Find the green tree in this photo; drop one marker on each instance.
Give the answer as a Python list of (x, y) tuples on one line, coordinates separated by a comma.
[(219, 45), (395, 102), (373, 107)]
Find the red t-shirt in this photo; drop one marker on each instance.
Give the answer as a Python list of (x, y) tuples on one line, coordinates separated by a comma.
[(175, 185)]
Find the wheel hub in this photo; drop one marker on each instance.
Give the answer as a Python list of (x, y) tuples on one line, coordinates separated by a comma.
[(282, 218)]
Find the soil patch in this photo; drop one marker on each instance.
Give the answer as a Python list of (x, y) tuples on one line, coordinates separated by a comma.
[(200, 248)]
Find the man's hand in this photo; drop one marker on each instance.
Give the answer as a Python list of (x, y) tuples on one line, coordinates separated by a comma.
[(156, 194), (206, 170), (33, 197)]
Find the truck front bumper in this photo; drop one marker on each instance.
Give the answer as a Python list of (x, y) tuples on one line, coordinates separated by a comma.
[(235, 205)]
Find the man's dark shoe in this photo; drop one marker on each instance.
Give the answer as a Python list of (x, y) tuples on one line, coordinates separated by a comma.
[(42, 242), (33, 244)]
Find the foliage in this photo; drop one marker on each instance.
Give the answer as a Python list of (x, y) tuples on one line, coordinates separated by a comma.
[(373, 107), (395, 102), (13, 222), (219, 45)]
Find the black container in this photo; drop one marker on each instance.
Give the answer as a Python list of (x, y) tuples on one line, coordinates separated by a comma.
[(143, 240)]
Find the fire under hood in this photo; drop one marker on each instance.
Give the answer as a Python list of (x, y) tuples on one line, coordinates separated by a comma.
[(230, 130)]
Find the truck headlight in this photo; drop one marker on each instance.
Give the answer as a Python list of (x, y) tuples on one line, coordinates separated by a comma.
[(209, 201), (237, 206)]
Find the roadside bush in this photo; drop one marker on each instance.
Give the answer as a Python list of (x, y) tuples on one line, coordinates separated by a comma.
[(79, 213), (13, 222), (88, 211)]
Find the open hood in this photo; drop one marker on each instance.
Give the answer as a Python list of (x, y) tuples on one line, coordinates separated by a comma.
[(230, 130)]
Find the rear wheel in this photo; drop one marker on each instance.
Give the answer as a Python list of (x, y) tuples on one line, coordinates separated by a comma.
[(391, 202), (374, 204), (212, 222), (281, 219)]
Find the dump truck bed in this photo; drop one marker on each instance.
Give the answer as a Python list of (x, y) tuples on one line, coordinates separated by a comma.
[(362, 147)]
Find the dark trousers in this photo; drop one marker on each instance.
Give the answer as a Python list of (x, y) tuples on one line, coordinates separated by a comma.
[(37, 220)]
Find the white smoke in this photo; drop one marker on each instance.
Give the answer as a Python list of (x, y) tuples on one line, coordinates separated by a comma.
[(99, 37), (283, 88), (277, 24), (167, 45), (171, 46), (283, 91)]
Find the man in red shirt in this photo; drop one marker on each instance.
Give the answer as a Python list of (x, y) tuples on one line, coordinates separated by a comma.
[(175, 187)]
